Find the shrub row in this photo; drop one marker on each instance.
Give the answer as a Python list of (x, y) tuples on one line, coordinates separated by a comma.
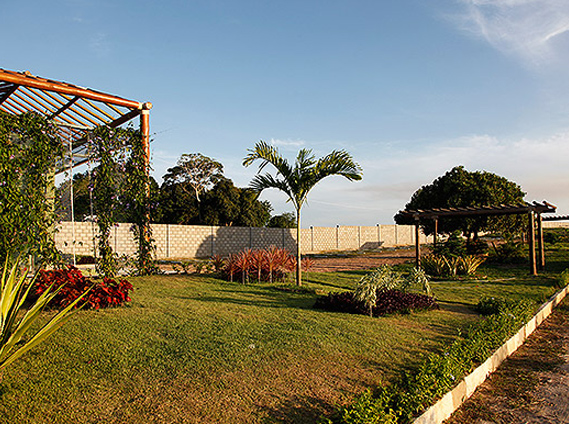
[(72, 284), (438, 373)]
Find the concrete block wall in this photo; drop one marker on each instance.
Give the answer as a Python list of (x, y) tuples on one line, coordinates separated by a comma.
[(190, 241)]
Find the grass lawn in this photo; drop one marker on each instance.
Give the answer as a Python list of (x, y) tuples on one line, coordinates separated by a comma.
[(197, 349)]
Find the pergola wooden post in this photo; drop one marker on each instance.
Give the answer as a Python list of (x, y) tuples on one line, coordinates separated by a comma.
[(417, 249), (531, 234), (540, 246)]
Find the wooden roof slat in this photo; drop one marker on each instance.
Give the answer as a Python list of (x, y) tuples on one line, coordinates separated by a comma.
[(544, 207), (32, 101)]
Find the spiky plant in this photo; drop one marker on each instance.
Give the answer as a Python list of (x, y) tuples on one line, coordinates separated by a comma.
[(14, 291)]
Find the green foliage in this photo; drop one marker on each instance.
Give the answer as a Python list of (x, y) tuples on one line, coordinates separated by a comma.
[(462, 188), (438, 372), (453, 246), (368, 408), (556, 235), (563, 279), (297, 181), (223, 204), (451, 266), (510, 252), (284, 220), (418, 277), (121, 182), (29, 149), (195, 173), (14, 291), (383, 278)]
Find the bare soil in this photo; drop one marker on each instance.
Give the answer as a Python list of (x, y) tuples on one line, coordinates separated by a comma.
[(532, 386), (360, 261)]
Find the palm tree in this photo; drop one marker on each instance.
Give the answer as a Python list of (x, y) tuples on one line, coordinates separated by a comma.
[(296, 181)]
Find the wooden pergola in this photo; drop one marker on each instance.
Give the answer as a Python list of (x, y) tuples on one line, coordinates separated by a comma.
[(74, 110), (533, 210)]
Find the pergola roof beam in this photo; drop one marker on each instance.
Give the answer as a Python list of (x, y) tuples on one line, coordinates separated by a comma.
[(61, 87)]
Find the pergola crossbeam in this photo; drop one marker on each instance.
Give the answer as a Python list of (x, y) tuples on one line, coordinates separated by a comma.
[(73, 109)]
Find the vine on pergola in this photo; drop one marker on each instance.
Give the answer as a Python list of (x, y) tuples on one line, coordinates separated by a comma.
[(29, 150), (121, 181)]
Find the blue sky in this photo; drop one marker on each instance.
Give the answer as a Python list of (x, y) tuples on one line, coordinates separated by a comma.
[(410, 88)]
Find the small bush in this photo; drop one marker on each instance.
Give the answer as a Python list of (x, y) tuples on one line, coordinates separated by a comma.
[(476, 247), (451, 266), (556, 235), (104, 293), (387, 302), (510, 252)]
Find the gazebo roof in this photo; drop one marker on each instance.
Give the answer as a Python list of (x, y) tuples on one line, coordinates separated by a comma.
[(75, 110), (509, 209)]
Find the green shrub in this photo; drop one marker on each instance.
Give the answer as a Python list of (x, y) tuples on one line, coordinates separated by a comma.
[(451, 266), (418, 277), (383, 278), (508, 252)]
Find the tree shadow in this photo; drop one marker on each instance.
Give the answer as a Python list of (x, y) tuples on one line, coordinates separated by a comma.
[(224, 241), (298, 410)]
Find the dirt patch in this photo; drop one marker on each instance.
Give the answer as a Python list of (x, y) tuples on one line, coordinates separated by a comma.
[(531, 385), (367, 260)]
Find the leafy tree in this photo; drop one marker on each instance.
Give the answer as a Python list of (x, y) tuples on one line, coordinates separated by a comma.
[(284, 220), (196, 173), (224, 204), (462, 188), (297, 181)]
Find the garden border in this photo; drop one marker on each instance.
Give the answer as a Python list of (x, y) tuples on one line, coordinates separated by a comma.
[(451, 401)]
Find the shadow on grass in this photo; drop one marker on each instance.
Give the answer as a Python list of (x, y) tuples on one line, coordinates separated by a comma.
[(298, 410)]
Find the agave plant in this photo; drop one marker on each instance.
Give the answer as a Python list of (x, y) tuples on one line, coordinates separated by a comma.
[(469, 264), (14, 292)]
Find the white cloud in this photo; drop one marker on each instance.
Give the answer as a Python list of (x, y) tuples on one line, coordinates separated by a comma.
[(526, 28), (100, 45), (287, 143)]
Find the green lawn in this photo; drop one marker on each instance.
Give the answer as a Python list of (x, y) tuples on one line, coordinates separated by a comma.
[(200, 350)]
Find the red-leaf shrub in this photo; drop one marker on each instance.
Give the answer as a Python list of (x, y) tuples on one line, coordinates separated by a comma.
[(104, 293), (388, 302), (264, 265)]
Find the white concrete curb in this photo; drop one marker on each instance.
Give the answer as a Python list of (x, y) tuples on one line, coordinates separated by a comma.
[(450, 402)]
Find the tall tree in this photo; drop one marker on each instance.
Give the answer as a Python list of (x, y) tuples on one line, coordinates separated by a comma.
[(461, 188), (196, 173), (297, 181)]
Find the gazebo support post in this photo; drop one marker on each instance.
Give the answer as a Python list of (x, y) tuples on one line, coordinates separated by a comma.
[(436, 219), (540, 247), (417, 250), (531, 234)]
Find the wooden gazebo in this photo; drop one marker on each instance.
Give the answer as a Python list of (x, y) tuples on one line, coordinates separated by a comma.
[(533, 210), (75, 110)]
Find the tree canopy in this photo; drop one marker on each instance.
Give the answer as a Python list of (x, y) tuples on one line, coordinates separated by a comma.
[(462, 188)]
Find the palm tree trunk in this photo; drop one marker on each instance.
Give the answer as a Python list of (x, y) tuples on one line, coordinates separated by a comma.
[(298, 255)]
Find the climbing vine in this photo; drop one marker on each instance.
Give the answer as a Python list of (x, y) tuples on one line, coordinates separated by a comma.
[(29, 149), (121, 188)]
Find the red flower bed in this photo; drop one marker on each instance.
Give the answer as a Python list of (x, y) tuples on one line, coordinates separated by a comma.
[(104, 293)]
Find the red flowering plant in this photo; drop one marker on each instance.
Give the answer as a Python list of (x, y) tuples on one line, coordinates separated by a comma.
[(104, 293)]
